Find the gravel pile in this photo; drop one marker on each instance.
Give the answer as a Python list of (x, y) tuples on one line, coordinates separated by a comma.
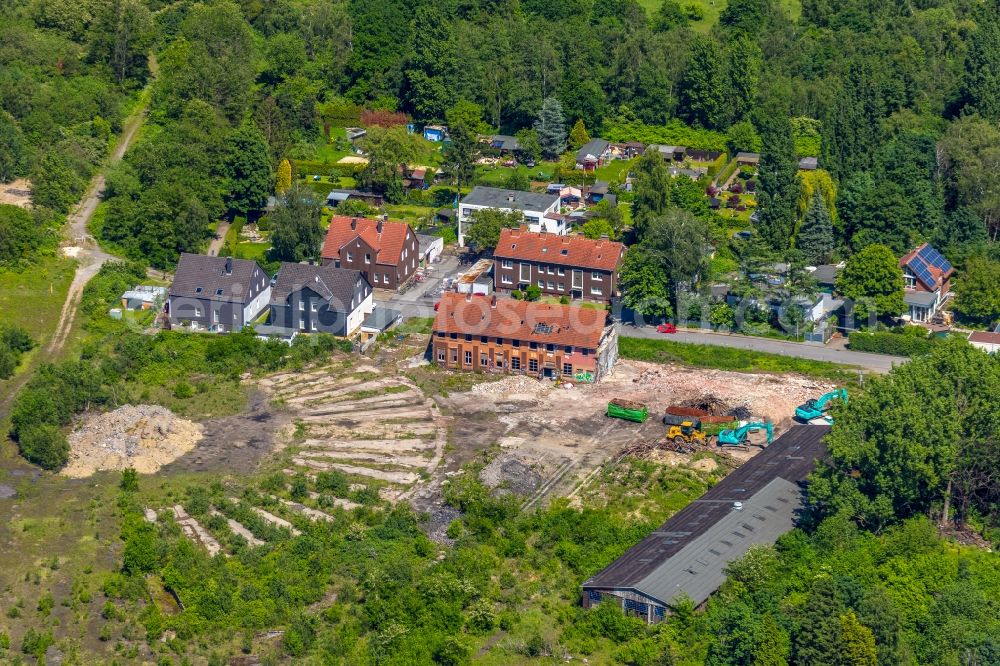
[(511, 384), (145, 437)]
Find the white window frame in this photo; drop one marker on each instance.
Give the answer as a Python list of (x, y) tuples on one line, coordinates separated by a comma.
[(596, 275), (507, 263), (596, 291), (505, 279), (350, 257)]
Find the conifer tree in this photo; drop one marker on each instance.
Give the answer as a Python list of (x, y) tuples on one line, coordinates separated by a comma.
[(578, 136), (551, 128), (815, 238), (284, 176)]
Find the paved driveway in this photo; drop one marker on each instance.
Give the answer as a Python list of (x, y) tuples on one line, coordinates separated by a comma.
[(419, 300), (874, 362)]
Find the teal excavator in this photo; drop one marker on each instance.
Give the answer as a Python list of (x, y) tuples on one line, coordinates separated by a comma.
[(738, 436), (815, 409)]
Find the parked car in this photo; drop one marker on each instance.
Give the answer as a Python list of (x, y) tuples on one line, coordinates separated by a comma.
[(666, 328)]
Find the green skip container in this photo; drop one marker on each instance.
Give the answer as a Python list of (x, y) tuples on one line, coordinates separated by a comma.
[(628, 410)]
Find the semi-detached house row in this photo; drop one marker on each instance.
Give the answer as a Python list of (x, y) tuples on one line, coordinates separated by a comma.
[(572, 266), (218, 294), (474, 333)]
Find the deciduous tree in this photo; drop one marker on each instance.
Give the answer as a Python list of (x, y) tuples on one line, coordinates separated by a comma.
[(483, 232), (873, 279), (247, 169), (977, 290), (295, 222), (779, 185)]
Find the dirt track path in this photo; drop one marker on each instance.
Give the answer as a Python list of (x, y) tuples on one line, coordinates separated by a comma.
[(90, 257)]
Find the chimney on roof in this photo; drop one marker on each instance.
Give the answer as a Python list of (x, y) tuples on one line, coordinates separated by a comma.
[(468, 296), (229, 265), (354, 223), (604, 237), (510, 197), (378, 226), (493, 302)]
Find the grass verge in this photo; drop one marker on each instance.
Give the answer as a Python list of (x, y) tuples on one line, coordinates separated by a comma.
[(725, 358)]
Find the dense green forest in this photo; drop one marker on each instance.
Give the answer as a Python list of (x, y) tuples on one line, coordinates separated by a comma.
[(895, 99)]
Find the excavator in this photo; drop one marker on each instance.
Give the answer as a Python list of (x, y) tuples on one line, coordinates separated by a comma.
[(816, 409), (737, 437)]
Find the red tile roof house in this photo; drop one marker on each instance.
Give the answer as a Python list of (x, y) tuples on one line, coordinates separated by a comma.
[(386, 252), (927, 277), (572, 266), (476, 333)]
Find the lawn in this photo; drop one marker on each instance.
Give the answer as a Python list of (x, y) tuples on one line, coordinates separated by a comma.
[(725, 358), (712, 8), (33, 298)]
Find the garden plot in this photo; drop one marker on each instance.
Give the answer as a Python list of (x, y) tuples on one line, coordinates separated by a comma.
[(366, 424)]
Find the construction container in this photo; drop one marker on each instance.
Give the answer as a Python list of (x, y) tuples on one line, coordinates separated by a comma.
[(628, 410)]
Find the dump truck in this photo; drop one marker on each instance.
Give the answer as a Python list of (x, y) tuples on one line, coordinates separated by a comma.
[(816, 409), (628, 410), (738, 437)]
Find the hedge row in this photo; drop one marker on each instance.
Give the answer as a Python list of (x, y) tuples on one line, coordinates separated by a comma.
[(897, 344), (310, 168), (674, 133)]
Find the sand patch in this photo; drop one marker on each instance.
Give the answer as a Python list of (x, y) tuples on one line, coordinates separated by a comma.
[(352, 159), (144, 437), (16, 193)]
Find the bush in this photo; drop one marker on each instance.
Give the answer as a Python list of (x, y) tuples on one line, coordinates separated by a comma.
[(564, 300), (183, 390), (44, 445), (902, 343), (533, 292)]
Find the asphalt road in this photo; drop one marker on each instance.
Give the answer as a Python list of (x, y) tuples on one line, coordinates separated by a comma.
[(873, 362)]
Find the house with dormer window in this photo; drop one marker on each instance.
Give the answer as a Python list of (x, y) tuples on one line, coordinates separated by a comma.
[(217, 294), (927, 282)]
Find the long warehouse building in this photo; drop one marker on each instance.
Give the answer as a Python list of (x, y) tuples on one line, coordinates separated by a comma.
[(688, 554)]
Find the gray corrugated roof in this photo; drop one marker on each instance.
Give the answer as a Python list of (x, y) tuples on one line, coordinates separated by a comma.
[(201, 276), (826, 273), (660, 564), (333, 284), (923, 299), (594, 148), (494, 197), (698, 569)]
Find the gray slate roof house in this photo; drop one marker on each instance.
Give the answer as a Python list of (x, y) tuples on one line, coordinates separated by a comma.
[(687, 556), (593, 153), (537, 207), (319, 299), (505, 143), (219, 294)]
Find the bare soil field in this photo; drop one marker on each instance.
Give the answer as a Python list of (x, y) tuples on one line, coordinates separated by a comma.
[(551, 438)]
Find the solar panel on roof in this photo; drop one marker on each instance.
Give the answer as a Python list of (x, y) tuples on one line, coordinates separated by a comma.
[(934, 258)]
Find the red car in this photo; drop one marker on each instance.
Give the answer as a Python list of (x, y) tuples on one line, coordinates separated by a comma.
[(666, 328)]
